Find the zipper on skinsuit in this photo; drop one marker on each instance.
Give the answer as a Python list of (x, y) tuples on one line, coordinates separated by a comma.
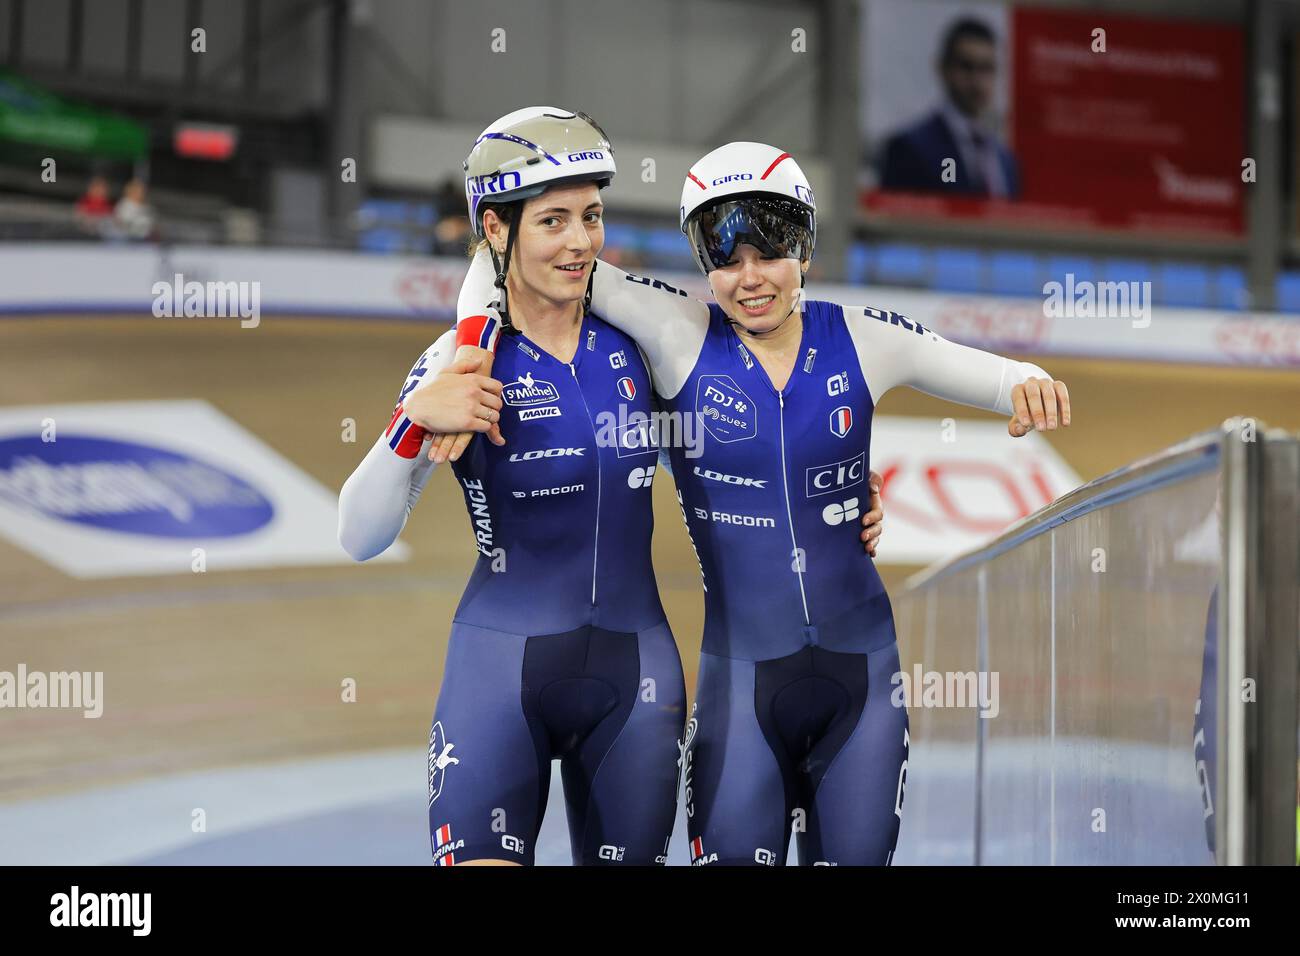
[(785, 487), (595, 543)]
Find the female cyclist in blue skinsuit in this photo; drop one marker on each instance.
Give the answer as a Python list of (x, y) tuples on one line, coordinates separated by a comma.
[(559, 648), (793, 727)]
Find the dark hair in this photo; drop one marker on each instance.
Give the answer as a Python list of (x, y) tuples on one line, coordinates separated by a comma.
[(963, 29), (504, 210)]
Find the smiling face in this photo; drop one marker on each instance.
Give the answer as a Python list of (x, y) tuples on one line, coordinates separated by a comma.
[(756, 291), (560, 234)]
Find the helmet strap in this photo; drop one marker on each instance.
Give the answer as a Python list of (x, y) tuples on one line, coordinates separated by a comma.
[(591, 281), (501, 266)]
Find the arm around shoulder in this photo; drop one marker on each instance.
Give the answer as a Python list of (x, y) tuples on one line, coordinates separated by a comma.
[(895, 350), (378, 496)]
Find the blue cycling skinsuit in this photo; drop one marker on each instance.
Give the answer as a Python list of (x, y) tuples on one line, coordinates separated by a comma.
[(793, 729), (559, 648)]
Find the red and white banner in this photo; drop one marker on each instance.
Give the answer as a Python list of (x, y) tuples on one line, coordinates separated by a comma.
[(1149, 134), (954, 484), (1083, 119)]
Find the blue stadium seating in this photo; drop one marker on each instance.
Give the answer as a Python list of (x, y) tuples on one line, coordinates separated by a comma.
[(1185, 284), (1015, 273), (900, 264), (1288, 292), (1230, 288), (1083, 268), (958, 270), (1125, 270), (860, 262)]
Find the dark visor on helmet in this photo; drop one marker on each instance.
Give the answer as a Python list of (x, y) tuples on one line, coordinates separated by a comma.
[(776, 227)]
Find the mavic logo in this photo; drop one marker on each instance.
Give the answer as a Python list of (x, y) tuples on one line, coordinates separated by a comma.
[(834, 514)]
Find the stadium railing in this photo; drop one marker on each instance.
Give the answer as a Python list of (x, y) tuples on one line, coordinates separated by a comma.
[(1113, 680)]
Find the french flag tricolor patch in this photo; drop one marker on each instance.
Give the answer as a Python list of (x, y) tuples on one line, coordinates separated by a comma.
[(841, 421), (441, 838), (697, 848), (627, 388)]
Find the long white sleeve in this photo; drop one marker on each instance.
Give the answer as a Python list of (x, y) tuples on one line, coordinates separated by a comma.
[(378, 497), (893, 350), (479, 290), (668, 324)]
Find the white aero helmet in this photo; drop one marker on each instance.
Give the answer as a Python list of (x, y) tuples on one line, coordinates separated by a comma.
[(747, 193), (526, 152)]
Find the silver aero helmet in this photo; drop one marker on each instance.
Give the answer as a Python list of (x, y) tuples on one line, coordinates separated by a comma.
[(747, 193), (523, 154), (526, 152)]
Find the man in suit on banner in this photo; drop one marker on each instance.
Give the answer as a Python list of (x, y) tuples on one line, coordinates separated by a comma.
[(914, 158)]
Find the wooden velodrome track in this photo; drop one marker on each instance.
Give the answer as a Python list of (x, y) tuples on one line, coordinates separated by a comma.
[(234, 668)]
